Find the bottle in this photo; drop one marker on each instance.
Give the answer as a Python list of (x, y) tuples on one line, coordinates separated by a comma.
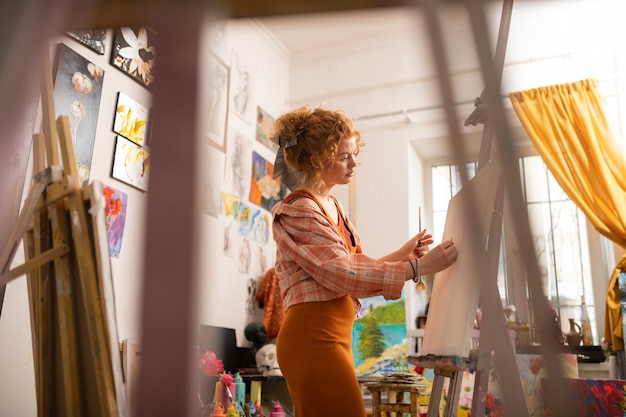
[(218, 410), (277, 411), (585, 324), (240, 389), (232, 411), (227, 389)]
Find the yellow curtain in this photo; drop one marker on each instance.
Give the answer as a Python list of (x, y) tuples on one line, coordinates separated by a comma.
[(570, 128)]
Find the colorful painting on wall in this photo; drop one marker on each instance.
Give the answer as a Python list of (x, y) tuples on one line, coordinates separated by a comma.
[(265, 191), (378, 337), (131, 163), (264, 125), (77, 91), (92, 39), (115, 218), (134, 53), (215, 82), (252, 222), (131, 119)]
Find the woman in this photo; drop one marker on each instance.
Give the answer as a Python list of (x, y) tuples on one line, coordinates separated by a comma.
[(321, 267)]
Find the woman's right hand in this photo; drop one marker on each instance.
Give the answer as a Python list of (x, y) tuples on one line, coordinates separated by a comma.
[(438, 258)]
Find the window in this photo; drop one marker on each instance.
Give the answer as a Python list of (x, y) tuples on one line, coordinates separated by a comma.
[(558, 229)]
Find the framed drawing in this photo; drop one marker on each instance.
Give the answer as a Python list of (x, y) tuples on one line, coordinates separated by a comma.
[(238, 164), (131, 119), (77, 91), (264, 125), (131, 163), (217, 33), (134, 53), (243, 83), (211, 179), (214, 108), (92, 39)]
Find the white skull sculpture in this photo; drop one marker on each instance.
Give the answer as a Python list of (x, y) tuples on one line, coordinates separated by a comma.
[(266, 361)]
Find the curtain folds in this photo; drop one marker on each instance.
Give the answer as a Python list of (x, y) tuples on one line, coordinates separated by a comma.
[(570, 127)]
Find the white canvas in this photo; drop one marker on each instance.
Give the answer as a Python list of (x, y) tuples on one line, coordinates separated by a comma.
[(455, 290)]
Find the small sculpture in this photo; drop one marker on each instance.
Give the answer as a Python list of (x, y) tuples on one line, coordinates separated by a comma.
[(256, 333), (266, 361)]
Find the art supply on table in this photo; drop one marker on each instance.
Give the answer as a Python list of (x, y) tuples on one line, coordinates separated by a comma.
[(240, 389), (277, 411), (218, 411)]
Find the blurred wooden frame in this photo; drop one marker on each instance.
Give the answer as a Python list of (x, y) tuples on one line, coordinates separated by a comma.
[(131, 353)]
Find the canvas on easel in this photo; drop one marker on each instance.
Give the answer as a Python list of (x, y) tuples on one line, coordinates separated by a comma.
[(456, 289)]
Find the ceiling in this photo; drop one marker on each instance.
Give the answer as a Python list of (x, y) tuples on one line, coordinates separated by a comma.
[(312, 34), (317, 31), (542, 32)]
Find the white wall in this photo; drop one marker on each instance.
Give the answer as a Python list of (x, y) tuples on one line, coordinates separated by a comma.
[(224, 288)]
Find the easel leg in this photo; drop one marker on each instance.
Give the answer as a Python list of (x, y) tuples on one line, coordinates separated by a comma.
[(65, 343), (454, 390), (435, 396)]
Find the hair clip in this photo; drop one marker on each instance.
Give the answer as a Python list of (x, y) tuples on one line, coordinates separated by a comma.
[(286, 142)]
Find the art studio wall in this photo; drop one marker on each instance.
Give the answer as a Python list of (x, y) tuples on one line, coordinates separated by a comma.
[(256, 67)]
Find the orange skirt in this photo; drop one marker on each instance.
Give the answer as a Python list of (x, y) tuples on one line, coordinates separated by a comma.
[(314, 350)]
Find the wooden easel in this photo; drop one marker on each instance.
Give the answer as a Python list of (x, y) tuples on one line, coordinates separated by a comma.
[(479, 361), (76, 353)]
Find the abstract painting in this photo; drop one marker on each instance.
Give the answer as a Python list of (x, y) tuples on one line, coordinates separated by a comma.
[(77, 91), (250, 222), (92, 39), (131, 119), (214, 110), (115, 218), (131, 163), (265, 191), (134, 53), (264, 125), (594, 397), (243, 84)]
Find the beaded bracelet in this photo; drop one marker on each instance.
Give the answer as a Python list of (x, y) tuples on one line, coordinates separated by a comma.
[(416, 270)]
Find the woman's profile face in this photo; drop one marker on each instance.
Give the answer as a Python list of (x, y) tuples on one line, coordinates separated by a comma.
[(344, 165)]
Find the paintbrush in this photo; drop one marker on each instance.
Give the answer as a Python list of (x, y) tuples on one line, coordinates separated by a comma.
[(420, 286)]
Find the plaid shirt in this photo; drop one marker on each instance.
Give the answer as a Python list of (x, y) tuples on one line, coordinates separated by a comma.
[(315, 264)]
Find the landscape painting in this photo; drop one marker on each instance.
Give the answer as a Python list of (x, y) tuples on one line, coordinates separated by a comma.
[(379, 337)]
